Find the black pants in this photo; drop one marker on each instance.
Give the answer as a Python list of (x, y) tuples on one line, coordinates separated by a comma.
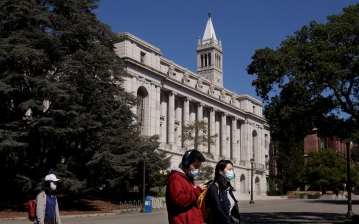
[(49, 221)]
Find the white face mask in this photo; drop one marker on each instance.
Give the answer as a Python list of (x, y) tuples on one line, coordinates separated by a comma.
[(193, 173), (52, 186), (229, 175)]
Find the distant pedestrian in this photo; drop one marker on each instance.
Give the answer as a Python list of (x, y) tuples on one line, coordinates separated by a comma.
[(47, 209), (336, 193), (181, 192)]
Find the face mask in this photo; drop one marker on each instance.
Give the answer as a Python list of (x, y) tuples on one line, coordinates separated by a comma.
[(229, 175), (52, 186), (193, 173)]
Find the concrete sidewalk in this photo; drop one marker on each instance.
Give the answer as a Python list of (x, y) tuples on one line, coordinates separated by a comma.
[(262, 211), (298, 211)]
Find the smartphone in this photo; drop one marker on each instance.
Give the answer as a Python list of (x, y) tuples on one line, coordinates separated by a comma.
[(209, 182)]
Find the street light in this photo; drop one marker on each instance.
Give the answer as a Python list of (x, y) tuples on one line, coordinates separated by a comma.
[(350, 212), (251, 201), (144, 182)]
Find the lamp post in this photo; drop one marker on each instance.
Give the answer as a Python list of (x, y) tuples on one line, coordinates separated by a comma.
[(350, 212), (144, 183), (251, 201)]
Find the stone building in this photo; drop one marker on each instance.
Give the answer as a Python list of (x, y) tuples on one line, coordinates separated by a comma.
[(170, 96)]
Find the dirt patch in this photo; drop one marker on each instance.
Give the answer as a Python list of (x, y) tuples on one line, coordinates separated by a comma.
[(69, 205)]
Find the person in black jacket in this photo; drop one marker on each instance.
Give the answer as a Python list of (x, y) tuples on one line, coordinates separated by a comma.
[(224, 207)]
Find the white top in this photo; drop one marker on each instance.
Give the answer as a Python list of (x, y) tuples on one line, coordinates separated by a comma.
[(231, 200)]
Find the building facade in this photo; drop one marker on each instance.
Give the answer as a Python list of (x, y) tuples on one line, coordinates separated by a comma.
[(314, 142), (170, 96)]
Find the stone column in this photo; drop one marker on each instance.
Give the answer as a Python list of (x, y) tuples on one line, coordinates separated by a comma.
[(200, 118), (158, 110), (171, 117), (245, 154), (260, 146), (234, 139), (239, 139), (212, 130), (192, 119), (179, 120), (163, 118), (153, 109), (224, 135), (186, 111), (185, 116)]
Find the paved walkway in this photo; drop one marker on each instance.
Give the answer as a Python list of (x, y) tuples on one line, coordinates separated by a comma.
[(298, 211), (262, 211)]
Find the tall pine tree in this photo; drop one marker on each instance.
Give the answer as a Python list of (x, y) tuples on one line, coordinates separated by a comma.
[(62, 108)]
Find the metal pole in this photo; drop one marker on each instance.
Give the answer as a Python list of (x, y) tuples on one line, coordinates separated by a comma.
[(350, 212), (251, 201), (143, 186)]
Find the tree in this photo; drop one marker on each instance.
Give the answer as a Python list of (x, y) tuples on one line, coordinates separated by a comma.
[(159, 179), (326, 168), (290, 166), (312, 78), (62, 108), (206, 172), (197, 134)]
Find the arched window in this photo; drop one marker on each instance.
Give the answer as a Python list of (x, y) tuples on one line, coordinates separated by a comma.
[(258, 186), (243, 183)]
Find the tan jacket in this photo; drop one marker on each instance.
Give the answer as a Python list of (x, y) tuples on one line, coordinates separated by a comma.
[(41, 207)]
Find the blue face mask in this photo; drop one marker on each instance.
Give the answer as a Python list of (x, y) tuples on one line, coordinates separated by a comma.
[(193, 173), (52, 186), (229, 175)]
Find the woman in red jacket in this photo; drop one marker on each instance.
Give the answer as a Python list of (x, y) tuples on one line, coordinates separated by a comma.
[(181, 192)]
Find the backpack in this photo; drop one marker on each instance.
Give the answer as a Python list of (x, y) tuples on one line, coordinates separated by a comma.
[(206, 210), (31, 208)]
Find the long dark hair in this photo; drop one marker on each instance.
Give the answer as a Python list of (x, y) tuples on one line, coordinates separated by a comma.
[(221, 165)]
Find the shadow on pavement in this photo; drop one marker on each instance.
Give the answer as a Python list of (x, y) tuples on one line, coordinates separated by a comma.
[(297, 217), (339, 202)]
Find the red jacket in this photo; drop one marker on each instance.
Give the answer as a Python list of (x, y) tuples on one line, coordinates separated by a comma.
[(181, 199)]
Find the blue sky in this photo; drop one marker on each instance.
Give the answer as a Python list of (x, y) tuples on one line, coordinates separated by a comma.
[(243, 26)]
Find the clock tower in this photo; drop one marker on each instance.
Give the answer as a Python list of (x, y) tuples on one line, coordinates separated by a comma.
[(210, 56)]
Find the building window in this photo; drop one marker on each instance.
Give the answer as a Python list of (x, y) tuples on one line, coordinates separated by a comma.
[(254, 109), (143, 54), (254, 145), (265, 140), (323, 143), (209, 59), (141, 108)]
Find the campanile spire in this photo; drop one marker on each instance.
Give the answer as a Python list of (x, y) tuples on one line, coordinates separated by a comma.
[(209, 56), (209, 31)]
